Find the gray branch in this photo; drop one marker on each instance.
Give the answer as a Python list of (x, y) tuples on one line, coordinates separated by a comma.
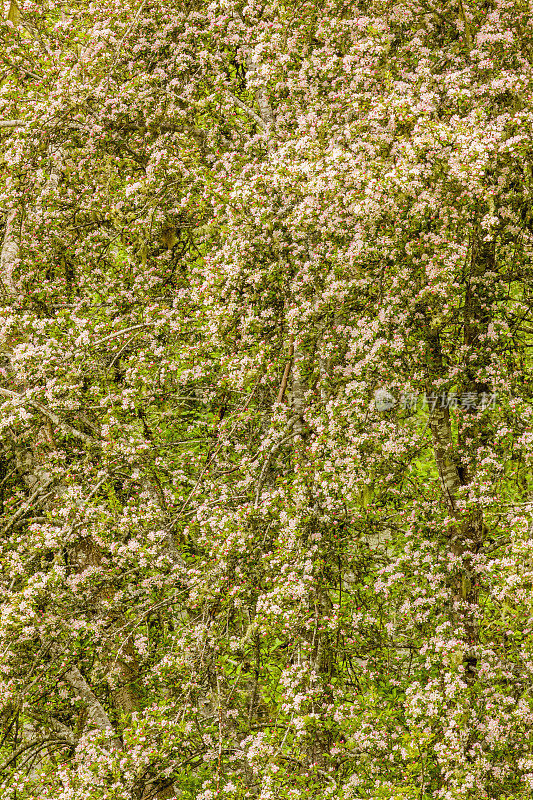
[(286, 435), (9, 253), (63, 426), (247, 110), (95, 708)]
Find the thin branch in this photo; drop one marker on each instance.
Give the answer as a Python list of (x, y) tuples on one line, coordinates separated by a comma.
[(122, 349), (63, 426), (247, 110), (20, 749), (495, 546), (128, 31), (124, 330), (284, 438), (8, 476), (27, 505), (287, 372)]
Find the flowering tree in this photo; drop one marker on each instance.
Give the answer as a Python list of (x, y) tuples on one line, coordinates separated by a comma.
[(266, 429)]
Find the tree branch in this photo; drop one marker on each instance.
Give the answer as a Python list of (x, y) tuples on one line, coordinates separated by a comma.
[(63, 730), (95, 708), (27, 505), (9, 253), (247, 110), (63, 426), (287, 372), (284, 437)]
